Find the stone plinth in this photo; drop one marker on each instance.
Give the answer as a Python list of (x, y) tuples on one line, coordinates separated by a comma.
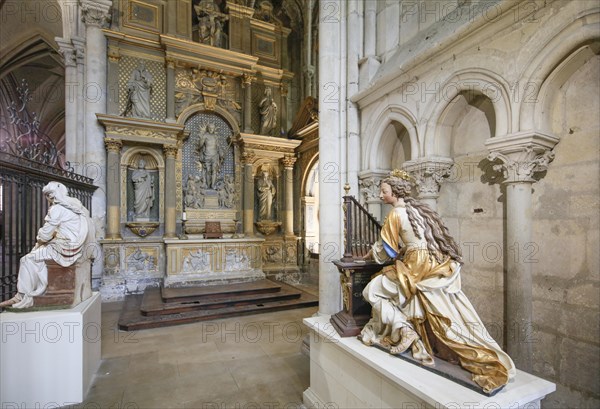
[(196, 261), (344, 373), (49, 357)]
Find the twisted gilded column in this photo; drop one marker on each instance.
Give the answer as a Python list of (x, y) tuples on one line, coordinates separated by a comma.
[(170, 152), (429, 174), (113, 188), (248, 193), (520, 156), (247, 85), (288, 207)]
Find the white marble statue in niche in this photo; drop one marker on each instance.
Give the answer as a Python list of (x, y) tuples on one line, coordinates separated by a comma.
[(139, 90), (266, 193), (268, 113), (211, 154), (143, 189), (65, 238)]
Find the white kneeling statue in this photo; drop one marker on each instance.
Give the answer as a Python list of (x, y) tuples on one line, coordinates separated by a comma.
[(67, 231)]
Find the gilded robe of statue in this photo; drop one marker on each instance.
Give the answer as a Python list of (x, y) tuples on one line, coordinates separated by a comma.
[(417, 289)]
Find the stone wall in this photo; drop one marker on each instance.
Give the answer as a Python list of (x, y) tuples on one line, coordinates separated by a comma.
[(453, 84)]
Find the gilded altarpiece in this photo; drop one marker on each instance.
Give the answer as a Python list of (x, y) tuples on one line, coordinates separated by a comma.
[(186, 106)]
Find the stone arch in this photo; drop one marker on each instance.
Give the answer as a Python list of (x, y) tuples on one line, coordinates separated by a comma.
[(395, 134), (481, 89), (560, 57), (310, 164), (193, 109)]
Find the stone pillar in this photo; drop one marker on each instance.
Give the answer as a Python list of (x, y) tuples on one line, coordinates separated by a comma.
[(170, 152), (247, 85), (248, 193), (428, 174), (69, 54), (95, 15), (79, 44), (113, 188), (520, 156), (370, 62), (112, 103), (331, 157), (288, 207), (308, 68), (284, 111), (170, 90)]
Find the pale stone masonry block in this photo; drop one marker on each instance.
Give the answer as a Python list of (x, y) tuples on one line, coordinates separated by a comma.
[(581, 323), (561, 249), (545, 353), (579, 366), (548, 288), (587, 295)]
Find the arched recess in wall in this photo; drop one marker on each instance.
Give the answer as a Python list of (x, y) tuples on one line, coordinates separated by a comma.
[(310, 207), (559, 57), (394, 141), (35, 60), (467, 93)]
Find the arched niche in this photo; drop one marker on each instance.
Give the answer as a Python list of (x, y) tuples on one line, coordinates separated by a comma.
[(155, 165), (466, 122), (310, 208)]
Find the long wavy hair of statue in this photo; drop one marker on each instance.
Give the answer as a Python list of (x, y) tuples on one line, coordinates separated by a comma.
[(439, 240)]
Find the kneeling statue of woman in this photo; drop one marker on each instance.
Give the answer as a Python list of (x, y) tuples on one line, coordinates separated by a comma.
[(417, 301)]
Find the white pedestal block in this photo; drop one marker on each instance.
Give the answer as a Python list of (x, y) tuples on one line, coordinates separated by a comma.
[(344, 373), (48, 358)]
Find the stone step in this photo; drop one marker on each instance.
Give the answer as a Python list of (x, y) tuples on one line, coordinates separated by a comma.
[(132, 317), (182, 294), (153, 303)]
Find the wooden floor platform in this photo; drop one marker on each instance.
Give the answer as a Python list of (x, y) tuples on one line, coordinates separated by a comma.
[(161, 307)]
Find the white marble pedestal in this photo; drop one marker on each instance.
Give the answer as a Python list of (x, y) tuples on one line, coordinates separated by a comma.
[(344, 373), (48, 358)]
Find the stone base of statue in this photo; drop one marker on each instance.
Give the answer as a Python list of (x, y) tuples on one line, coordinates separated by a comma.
[(49, 357), (345, 373)]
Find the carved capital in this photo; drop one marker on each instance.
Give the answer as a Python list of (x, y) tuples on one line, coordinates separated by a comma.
[(69, 54), (283, 87), (170, 150), (170, 63), (114, 54), (521, 155), (247, 80), (520, 166), (369, 188), (248, 157), (113, 145), (429, 174), (79, 44), (95, 14), (288, 161)]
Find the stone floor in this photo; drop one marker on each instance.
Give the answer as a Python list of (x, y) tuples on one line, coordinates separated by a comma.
[(245, 362)]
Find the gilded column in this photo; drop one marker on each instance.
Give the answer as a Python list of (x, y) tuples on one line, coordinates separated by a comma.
[(68, 52), (520, 156), (170, 62), (170, 152), (288, 207), (248, 193), (113, 188), (247, 84)]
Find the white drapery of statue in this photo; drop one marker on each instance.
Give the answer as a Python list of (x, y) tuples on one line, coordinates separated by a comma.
[(268, 113), (210, 153), (423, 287), (62, 238), (139, 89), (266, 192), (143, 189)]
